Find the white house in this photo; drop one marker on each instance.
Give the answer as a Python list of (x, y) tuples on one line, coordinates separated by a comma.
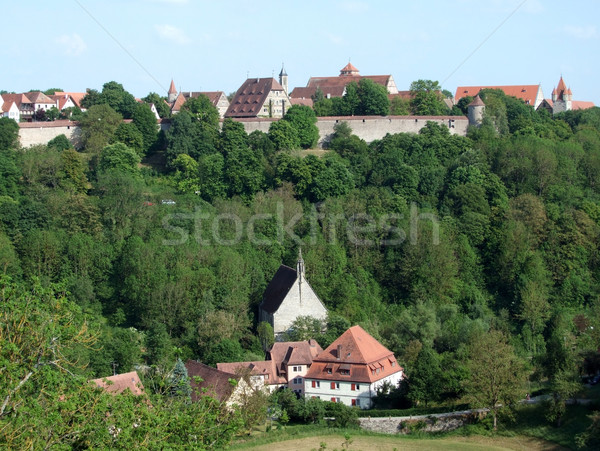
[(292, 361), (351, 370), (289, 296)]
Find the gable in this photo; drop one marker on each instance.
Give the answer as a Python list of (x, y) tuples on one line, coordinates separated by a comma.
[(278, 288)]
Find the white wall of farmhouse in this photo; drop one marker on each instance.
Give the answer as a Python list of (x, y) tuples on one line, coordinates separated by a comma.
[(350, 393)]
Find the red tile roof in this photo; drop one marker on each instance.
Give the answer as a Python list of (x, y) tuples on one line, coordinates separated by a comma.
[(582, 105), (305, 102), (213, 96), (38, 97), (49, 124), (264, 368), (349, 70), (355, 350), (76, 97), (208, 381), (528, 93), (172, 88), (121, 382), (294, 352), (251, 97), (477, 101)]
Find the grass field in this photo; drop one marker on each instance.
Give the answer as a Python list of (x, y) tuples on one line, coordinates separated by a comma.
[(390, 443)]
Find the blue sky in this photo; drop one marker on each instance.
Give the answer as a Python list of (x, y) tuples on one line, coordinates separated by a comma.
[(213, 45)]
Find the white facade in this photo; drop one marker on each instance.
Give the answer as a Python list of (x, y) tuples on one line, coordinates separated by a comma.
[(301, 300), (358, 394)]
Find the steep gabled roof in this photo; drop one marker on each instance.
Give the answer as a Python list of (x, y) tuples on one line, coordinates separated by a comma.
[(213, 382), (349, 70), (357, 346), (527, 93), (121, 382), (278, 288), (251, 97), (354, 356)]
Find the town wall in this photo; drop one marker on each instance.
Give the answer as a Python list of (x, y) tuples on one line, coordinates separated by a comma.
[(34, 133), (368, 128)]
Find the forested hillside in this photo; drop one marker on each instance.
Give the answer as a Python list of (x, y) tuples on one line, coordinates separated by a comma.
[(428, 241)]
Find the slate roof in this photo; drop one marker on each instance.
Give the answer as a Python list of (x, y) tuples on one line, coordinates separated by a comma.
[(527, 93), (278, 288), (355, 350), (251, 97), (121, 382), (213, 382)]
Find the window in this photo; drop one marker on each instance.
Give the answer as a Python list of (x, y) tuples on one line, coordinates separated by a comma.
[(358, 402), (358, 386), (335, 385), (297, 368), (353, 387), (316, 384), (353, 402), (333, 399), (328, 370), (297, 380)]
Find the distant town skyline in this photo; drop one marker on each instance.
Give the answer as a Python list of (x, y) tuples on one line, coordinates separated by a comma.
[(210, 46)]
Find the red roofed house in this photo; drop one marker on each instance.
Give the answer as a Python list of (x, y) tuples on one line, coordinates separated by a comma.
[(9, 108), (336, 86), (28, 103), (176, 101), (287, 297), (351, 370), (530, 94), (292, 360), (121, 382), (259, 97)]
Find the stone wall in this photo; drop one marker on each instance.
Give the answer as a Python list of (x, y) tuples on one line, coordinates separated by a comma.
[(35, 133), (431, 423), (371, 128), (368, 128)]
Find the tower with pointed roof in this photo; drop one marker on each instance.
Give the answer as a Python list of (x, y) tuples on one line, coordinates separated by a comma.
[(172, 94), (283, 79), (349, 71), (562, 97), (475, 111)]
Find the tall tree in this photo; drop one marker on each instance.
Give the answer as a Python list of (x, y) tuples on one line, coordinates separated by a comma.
[(145, 121), (9, 133), (496, 375), (304, 120), (98, 125), (427, 98)]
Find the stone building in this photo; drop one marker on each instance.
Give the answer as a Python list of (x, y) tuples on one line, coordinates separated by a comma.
[(289, 296), (260, 97)]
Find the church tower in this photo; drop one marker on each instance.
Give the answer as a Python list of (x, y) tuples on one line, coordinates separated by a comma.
[(562, 98), (172, 94), (283, 79)]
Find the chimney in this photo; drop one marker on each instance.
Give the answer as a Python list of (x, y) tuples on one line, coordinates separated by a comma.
[(339, 352)]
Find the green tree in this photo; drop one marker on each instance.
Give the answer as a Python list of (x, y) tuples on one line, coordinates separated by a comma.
[(159, 103), (60, 143), (128, 134), (426, 377), (374, 100), (9, 133), (145, 121), (265, 335), (284, 135), (304, 120), (118, 157), (427, 99), (98, 125), (180, 381), (496, 375)]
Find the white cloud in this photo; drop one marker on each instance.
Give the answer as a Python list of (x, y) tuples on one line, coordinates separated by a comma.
[(335, 39), (173, 34), (354, 6), (179, 2), (73, 45), (587, 32)]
